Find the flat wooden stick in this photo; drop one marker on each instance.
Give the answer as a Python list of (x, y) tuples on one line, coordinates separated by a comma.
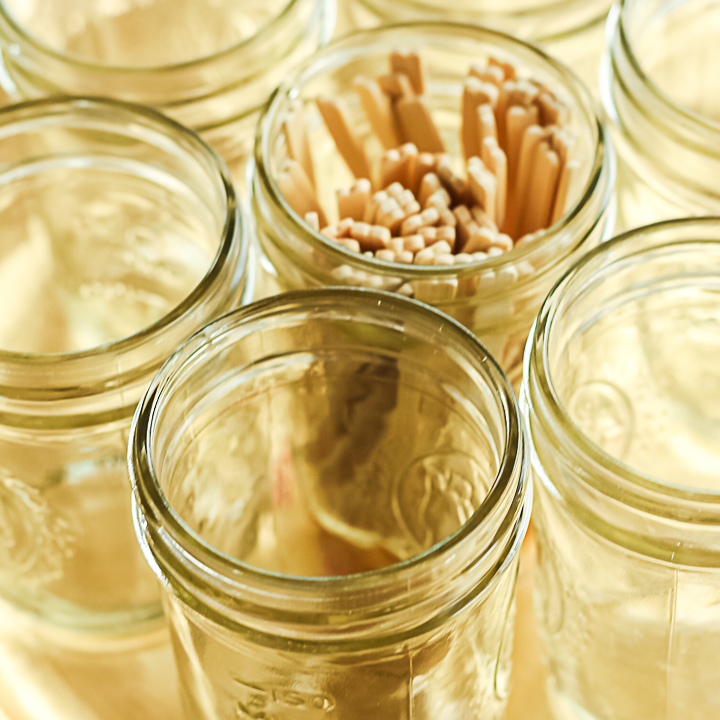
[(508, 69), (353, 202), (483, 186), (475, 93), (391, 168), (489, 73), (347, 143), (487, 126), (518, 121), (299, 191), (378, 110), (541, 189), (496, 162), (517, 193), (409, 64), (408, 159), (417, 124), (298, 146), (395, 85), (424, 164)]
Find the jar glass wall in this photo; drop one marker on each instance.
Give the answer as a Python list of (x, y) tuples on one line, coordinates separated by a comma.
[(571, 30), (660, 94), (331, 485), (121, 235), (497, 298), (209, 65), (622, 393)]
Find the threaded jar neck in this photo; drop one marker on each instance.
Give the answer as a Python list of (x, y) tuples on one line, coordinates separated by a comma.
[(370, 608), (225, 84), (587, 422), (670, 145), (76, 382)]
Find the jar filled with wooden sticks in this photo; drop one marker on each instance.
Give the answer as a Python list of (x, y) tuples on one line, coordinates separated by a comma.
[(452, 164)]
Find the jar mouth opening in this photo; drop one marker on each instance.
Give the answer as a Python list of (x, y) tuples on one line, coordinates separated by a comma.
[(191, 145), (338, 53), (677, 113), (181, 538), (189, 65), (627, 484)]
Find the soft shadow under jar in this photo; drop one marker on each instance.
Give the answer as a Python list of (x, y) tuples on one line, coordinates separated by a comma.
[(331, 485), (121, 236), (208, 65), (622, 393)]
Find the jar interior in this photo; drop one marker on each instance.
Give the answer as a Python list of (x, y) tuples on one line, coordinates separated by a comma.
[(127, 33), (676, 45), (321, 446), (103, 234), (634, 360), (447, 59)]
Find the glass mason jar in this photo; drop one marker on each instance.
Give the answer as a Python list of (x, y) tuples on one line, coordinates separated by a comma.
[(622, 392), (571, 30), (331, 485), (121, 235), (660, 93), (209, 65), (498, 298)]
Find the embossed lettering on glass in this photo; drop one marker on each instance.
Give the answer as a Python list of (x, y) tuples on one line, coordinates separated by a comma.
[(331, 485), (120, 237), (623, 400)]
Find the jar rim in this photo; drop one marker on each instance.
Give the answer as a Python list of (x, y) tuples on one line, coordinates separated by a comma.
[(239, 575), (233, 226), (182, 66), (628, 486), (677, 113), (334, 55)]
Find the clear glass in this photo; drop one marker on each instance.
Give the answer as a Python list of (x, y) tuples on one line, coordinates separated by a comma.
[(622, 394), (209, 65), (660, 92), (571, 30), (121, 235), (498, 298), (331, 485)]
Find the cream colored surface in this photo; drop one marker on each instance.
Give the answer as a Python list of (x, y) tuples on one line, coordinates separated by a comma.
[(528, 700), (44, 677), (40, 679)]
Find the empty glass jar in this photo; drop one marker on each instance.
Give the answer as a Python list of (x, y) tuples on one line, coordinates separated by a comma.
[(622, 392), (497, 298), (660, 92), (331, 485), (210, 65), (121, 235)]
